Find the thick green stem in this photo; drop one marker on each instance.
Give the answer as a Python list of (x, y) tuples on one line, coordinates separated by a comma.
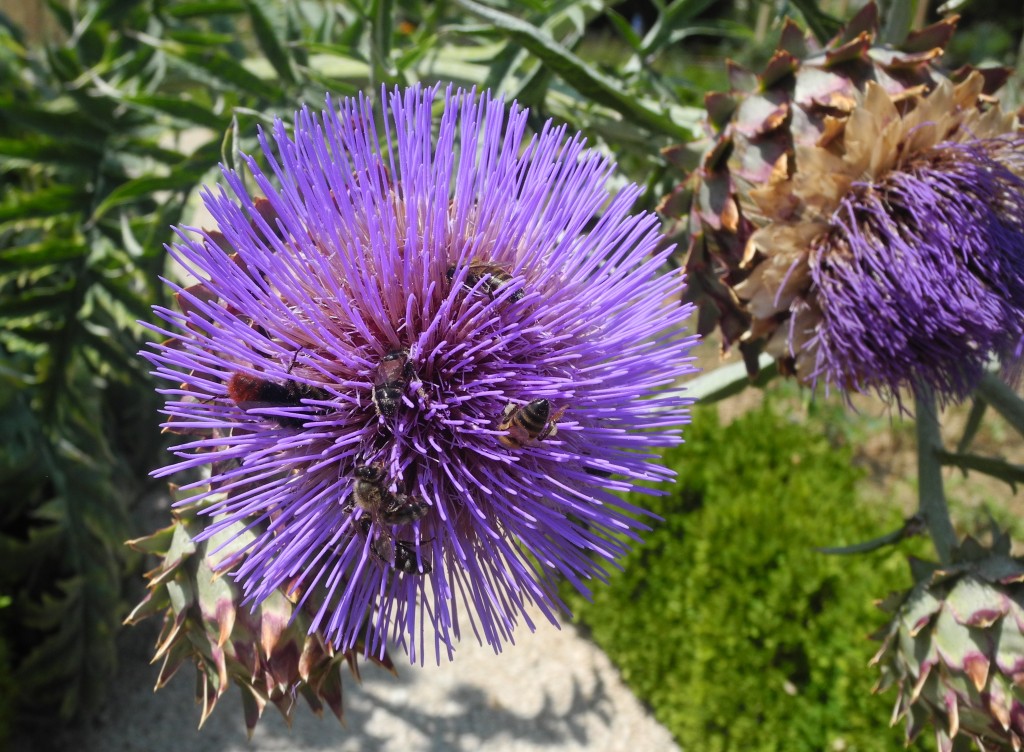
[(931, 497)]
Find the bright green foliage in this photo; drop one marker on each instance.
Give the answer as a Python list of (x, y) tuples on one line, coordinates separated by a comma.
[(738, 633)]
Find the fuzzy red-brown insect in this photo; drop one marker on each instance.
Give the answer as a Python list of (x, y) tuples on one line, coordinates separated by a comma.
[(248, 391)]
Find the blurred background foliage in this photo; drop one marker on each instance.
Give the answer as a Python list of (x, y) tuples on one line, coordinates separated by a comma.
[(113, 112)]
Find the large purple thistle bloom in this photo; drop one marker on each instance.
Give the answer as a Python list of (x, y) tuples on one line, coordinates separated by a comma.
[(391, 310), (921, 278)]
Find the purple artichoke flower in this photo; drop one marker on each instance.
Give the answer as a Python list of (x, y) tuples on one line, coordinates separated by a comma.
[(891, 257), (423, 368), (932, 257)]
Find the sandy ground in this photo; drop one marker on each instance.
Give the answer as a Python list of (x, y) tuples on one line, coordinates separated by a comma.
[(553, 690)]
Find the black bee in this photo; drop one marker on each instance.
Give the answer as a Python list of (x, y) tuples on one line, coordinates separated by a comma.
[(390, 380), (493, 277), (531, 422), (407, 561), (385, 548), (249, 391), (386, 509)]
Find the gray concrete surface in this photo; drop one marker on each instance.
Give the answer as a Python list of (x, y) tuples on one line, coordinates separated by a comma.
[(553, 690)]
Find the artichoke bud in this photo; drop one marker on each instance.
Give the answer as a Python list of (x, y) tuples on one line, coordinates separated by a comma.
[(954, 648)]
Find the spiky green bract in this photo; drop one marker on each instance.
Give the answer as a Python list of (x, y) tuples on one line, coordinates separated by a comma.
[(954, 648), (268, 652)]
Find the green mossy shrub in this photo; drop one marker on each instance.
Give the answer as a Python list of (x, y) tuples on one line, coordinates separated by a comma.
[(728, 623)]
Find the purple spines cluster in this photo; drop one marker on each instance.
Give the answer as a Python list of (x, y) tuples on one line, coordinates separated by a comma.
[(921, 280), (404, 300)]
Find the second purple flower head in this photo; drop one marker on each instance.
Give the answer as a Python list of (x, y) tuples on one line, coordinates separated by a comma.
[(422, 364)]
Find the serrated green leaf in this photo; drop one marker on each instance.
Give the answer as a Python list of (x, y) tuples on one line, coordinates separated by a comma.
[(35, 255), (113, 354), (38, 300), (27, 151), (123, 293), (230, 73), (50, 201), (53, 120), (22, 556), (48, 612), (145, 186), (68, 666), (584, 78)]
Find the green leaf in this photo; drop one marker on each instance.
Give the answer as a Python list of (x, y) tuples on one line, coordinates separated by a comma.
[(725, 381), (112, 352), (200, 39), (270, 43), (383, 27), (182, 178), (47, 252), (1003, 399), (910, 527), (150, 149), (899, 18), (142, 187), (670, 21), (587, 80), (974, 418), (625, 29), (233, 74), (203, 8), (222, 71), (993, 466), (38, 300), (179, 109), (53, 120), (821, 24), (21, 153), (53, 200)]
